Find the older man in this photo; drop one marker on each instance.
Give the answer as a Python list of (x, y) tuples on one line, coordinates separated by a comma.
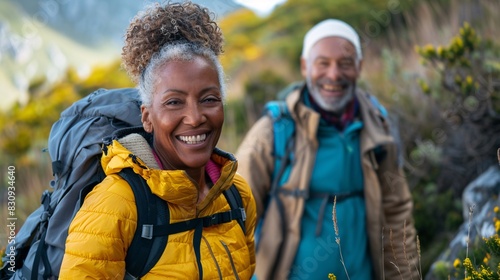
[(345, 160)]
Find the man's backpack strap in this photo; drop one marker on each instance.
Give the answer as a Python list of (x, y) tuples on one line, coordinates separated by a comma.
[(331, 197), (380, 107), (145, 251), (283, 151), (284, 140)]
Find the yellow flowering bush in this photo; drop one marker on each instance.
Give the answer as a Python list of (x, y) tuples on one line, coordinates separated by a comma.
[(467, 68), (456, 55), (486, 264)]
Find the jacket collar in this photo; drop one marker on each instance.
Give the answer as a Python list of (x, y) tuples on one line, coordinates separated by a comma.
[(375, 126), (376, 130)]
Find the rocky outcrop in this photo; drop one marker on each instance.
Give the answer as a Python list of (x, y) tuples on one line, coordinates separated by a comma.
[(479, 199)]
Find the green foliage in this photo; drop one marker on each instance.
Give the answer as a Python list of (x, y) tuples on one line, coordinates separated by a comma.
[(442, 270), (264, 86), (281, 34), (23, 126), (259, 89), (371, 18), (444, 216), (467, 93), (235, 125), (463, 87), (467, 67), (240, 30)]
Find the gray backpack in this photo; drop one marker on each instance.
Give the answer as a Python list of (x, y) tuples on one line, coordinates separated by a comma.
[(75, 145)]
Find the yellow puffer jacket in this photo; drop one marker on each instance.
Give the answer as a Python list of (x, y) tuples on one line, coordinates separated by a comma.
[(103, 228)]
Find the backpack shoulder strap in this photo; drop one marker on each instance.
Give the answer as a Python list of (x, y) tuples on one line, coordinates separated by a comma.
[(233, 197), (283, 94), (153, 224), (379, 153), (379, 106), (284, 145), (284, 140), (145, 251)]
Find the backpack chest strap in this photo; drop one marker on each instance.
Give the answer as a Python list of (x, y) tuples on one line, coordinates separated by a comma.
[(150, 231), (326, 198), (196, 224), (332, 198)]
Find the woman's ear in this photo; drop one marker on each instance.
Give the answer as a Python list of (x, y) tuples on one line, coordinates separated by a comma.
[(146, 122)]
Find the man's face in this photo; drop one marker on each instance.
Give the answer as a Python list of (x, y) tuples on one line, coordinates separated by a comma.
[(331, 70)]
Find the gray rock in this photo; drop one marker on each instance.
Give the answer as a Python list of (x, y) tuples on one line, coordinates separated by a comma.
[(479, 199)]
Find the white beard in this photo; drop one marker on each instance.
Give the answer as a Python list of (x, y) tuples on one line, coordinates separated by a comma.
[(334, 105)]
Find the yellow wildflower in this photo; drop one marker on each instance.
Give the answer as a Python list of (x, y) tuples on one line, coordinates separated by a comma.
[(468, 80), (459, 42), (456, 263), (429, 51), (440, 51), (467, 263)]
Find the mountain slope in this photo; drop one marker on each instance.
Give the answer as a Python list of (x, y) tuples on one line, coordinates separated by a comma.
[(30, 49), (44, 38)]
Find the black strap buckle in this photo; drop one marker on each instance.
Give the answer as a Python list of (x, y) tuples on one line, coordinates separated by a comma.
[(211, 220), (45, 201)]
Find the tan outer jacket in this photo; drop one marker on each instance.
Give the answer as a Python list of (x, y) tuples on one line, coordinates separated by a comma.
[(388, 199), (103, 228)]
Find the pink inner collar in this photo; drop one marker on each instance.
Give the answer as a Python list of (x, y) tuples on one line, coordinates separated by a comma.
[(212, 168)]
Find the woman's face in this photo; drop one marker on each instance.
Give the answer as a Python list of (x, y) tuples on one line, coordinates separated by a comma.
[(186, 113)]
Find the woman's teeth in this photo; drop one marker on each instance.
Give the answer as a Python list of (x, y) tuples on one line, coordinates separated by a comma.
[(195, 139)]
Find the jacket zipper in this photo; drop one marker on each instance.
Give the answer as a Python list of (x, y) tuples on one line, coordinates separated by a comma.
[(230, 259)]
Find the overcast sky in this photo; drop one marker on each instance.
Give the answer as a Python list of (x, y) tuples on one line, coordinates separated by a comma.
[(261, 7)]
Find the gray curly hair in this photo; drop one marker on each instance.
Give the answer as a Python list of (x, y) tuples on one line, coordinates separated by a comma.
[(179, 51)]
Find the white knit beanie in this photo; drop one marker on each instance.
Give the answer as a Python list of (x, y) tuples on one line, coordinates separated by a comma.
[(331, 28)]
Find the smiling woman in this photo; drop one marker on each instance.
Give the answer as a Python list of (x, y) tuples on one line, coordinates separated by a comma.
[(187, 111), (171, 52)]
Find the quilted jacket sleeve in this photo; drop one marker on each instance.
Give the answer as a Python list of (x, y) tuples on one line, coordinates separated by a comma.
[(100, 233)]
